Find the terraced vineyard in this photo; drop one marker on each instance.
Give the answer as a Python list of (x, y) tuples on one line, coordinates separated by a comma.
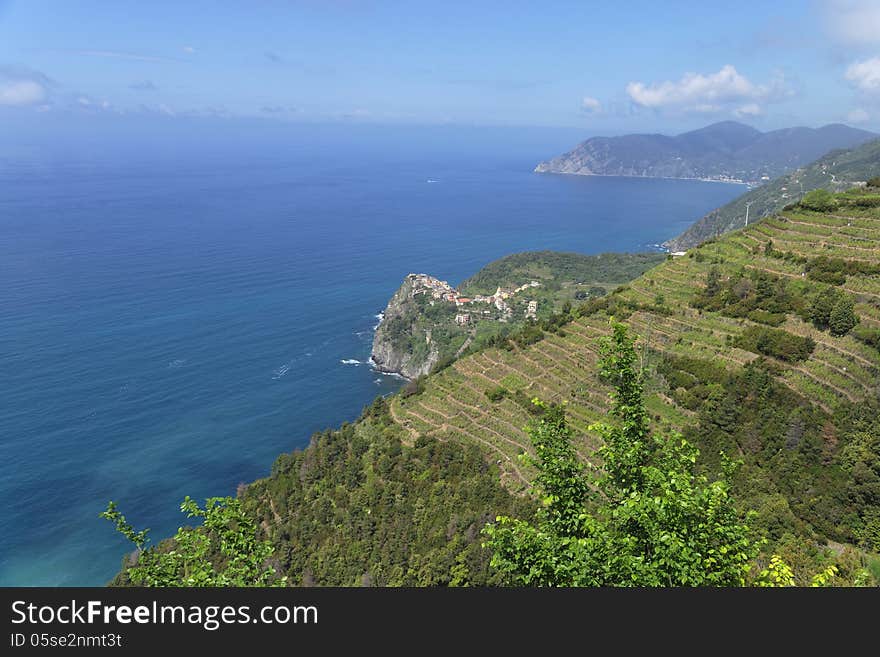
[(483, 398)]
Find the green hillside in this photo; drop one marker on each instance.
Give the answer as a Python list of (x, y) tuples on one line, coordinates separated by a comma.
[(836, 171), (763, 345), (746, 370), (556, 270)]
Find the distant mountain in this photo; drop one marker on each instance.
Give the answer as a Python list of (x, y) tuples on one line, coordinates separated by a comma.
[(836, 171), (722, 151)]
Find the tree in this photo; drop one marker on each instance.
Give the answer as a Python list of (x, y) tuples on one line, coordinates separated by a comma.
[(823, 305), (223, 551), (645, 519), (713, 281), (843, 317)]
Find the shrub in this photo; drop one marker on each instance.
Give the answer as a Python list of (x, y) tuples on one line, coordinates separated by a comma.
[(823, 304), (776, 343), (819, 200), (864, 202), (843, 317), (867, 335), (496, 394), (764, 317)]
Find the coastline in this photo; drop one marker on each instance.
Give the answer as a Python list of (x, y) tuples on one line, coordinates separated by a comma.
[(750, 185), (384, 371)]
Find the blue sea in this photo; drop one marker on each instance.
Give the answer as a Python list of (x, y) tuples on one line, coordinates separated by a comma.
[(174, 313)]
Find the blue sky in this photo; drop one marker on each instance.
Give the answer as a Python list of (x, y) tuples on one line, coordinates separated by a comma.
[(606, 68)]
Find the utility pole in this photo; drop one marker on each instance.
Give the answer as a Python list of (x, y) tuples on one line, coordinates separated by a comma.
[(748, 205)]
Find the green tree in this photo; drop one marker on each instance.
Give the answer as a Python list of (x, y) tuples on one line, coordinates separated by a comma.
[(645, 519), (223, 551), (776, 574), (713, 282), (822, 306), (843, 317)]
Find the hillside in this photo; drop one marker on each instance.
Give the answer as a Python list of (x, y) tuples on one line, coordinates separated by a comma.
[(835, 171), (428, 322), (557, 270), (763, 344), (722, 151), (752, 374)]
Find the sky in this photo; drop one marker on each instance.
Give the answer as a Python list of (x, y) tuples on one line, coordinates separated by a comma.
[(600, 67)]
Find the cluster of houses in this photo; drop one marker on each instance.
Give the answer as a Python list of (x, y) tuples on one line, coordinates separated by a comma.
[(443, 291)]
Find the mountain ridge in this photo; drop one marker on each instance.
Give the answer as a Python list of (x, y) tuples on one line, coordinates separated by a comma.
[(726, 151)]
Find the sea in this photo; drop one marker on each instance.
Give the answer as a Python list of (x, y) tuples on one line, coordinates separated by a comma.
[(180, 307)]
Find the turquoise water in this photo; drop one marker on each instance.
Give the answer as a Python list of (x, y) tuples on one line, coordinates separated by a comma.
[(170, 323)]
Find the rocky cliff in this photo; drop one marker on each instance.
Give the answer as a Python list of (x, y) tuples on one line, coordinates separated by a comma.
[(401, 345)]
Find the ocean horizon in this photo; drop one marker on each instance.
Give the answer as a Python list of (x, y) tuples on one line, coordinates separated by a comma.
[(177, 315)]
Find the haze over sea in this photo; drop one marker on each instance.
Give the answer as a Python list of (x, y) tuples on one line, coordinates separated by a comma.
[(175, 312)]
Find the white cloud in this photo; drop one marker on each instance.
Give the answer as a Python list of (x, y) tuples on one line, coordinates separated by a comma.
[(858, 115), (189, 50), (749, 109), (865, 75), (21, 92), (854, 22), (92, 105), (590, 105), (713, 92)]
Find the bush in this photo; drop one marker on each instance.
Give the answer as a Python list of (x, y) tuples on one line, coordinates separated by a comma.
[(864, 202), (843, 317), (776, 343), (823, 304), (819, 200), (835, 270), (869, 336), (764, 317), (827, 270), (874, 182), (497, 393)]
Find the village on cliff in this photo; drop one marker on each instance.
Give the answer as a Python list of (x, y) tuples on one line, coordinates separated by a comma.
[(423, 284)]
